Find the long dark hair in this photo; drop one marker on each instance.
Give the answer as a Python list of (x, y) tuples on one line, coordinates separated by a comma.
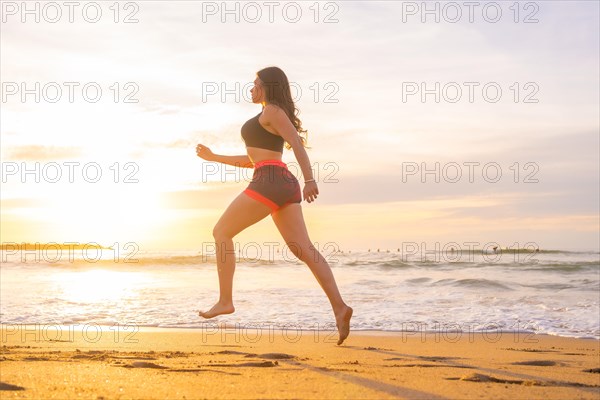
[(277, 91)]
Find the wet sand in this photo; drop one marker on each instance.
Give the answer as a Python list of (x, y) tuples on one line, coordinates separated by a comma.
[(40, 362)]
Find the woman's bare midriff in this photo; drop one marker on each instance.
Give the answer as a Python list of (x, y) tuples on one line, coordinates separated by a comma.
[(257, 154)]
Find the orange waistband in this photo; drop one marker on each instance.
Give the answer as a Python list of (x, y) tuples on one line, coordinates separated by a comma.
[(270, 162)]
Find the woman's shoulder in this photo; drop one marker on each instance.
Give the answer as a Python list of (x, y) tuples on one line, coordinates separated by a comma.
[(272, 110)]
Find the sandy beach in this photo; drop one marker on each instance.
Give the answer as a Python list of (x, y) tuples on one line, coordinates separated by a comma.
[(39, 362)]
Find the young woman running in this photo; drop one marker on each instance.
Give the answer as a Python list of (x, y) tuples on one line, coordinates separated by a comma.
[(273, 190)]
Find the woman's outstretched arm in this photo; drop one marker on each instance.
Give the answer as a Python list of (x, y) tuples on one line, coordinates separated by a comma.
[(237, 161)]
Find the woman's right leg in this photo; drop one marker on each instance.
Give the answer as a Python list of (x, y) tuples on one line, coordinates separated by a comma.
[(243, 212)]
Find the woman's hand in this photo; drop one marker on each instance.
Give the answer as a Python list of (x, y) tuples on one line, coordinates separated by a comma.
[(204, 152), (310, 191)]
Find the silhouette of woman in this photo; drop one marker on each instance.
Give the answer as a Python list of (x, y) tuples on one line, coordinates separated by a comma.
[(273, 190)]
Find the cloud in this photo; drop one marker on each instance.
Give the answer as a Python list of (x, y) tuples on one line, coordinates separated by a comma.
[(42, 153)]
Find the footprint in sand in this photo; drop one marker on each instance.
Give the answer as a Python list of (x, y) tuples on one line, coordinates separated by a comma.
[(592, 370), (144, 364), (276, 356), (8, 386), (536, 363)]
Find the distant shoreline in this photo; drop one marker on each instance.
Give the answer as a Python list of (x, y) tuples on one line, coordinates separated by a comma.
[(52, 245)]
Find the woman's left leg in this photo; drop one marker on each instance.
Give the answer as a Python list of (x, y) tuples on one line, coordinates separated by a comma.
[(290, 223)]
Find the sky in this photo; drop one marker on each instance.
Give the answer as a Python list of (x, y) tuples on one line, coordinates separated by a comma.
[(481, 126)]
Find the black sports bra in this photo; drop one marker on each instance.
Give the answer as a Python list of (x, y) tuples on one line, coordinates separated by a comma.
[(255, 135)]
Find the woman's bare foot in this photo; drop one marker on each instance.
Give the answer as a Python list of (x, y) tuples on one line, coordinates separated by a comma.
[(218, 309), (343, 324)]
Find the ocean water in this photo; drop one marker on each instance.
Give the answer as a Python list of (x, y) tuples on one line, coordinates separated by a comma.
[(552, 292)]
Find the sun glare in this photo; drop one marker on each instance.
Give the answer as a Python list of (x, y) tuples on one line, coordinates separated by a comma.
[(98, 285), (101, 214)]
